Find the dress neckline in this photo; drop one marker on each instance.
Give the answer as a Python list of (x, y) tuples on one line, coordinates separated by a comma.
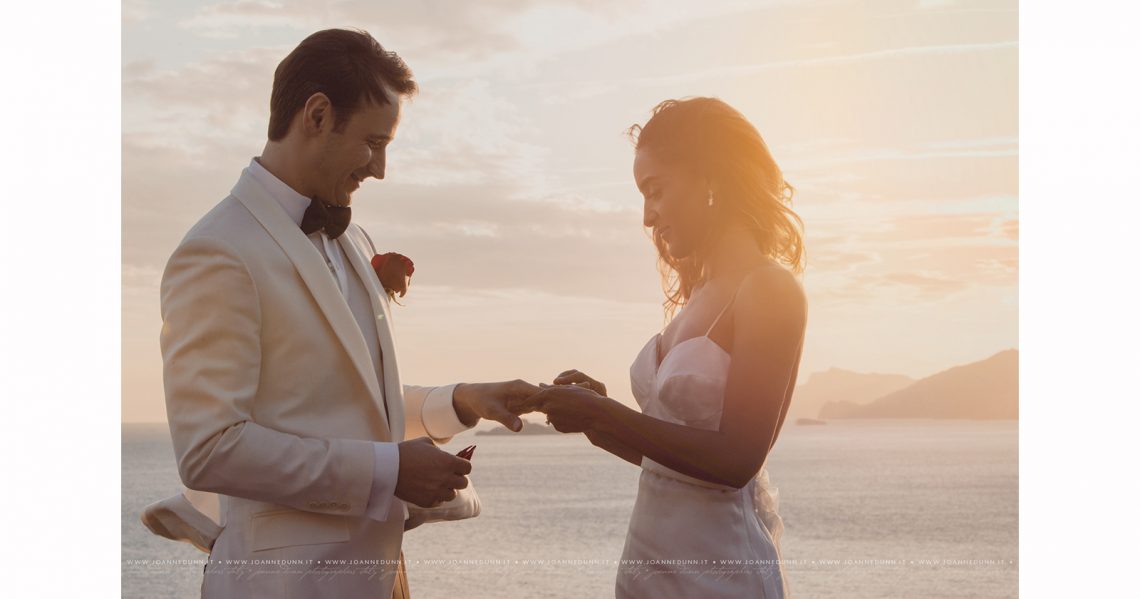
[(659, 360)]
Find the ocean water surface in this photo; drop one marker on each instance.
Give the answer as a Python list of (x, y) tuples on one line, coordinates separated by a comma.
[(872, 508)]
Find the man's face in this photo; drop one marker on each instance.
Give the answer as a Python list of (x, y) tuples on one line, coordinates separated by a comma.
[(357, 151)]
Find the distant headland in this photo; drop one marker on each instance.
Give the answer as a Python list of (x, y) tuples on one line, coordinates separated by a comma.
[(982, 390)]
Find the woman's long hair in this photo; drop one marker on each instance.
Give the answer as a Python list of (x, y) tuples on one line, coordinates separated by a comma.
[(715, 139)]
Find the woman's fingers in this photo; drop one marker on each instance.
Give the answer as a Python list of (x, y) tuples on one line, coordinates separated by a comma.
[(572, 377), (545, 401), (551, 398), (575, 377), (565, 421)]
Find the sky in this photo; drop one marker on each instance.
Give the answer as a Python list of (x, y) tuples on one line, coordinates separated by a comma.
[(509, 182)]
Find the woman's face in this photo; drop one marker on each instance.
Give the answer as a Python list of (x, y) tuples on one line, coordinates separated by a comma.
[(676, 202)]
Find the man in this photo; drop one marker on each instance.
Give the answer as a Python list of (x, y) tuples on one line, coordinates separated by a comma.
[(282, 389)]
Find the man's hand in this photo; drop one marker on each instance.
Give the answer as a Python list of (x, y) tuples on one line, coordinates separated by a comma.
[(428, 475), (494, 401)]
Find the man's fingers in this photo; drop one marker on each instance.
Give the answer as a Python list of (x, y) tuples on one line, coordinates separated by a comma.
[(448, 495), (526, 387), (507, 419), (519, 407), (525, 399), (531, 404), (460, 466), (459, 482)]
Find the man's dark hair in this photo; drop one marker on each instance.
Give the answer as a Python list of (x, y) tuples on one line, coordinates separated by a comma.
[(348, 66)]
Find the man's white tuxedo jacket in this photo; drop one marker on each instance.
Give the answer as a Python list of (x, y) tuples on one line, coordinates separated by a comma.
[(273, 401)]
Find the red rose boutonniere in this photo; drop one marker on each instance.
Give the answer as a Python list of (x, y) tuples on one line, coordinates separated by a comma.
[(395, 272)]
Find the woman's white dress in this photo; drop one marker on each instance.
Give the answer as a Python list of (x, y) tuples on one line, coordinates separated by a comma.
[(688, 537)]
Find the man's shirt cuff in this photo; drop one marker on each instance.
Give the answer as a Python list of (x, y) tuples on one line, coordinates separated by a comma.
[(438, 415), (385, 473)]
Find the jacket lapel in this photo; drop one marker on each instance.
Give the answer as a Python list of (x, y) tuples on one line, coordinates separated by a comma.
[(314, 273), (393, 389)]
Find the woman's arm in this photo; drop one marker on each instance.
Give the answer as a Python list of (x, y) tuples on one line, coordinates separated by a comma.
[(613, 445), (598, 438), (770, 318)]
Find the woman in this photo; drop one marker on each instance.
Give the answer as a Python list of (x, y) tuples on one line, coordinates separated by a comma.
[(715, 385)]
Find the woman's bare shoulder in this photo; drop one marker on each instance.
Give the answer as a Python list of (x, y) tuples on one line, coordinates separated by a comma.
[(775, 286)]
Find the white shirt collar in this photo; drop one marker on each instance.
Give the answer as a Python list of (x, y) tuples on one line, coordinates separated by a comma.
[(292, 202)]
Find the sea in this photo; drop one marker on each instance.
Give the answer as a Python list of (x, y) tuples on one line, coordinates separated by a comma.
[(871, 508)]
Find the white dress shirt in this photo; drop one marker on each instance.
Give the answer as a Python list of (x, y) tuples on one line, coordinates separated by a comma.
[(386, 466)]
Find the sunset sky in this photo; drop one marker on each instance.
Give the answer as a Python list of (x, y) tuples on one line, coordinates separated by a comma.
[(509, 182)]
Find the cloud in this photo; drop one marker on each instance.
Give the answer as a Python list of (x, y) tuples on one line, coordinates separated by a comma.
[(839, 260), (844, 151), (929, 4), (231, 19), (460, 179), (508, 190), (1010, 229), (453, 131), (865, 289), (936, 172), (910, 258), (876, 187), (433, 29), (481, 235), (140, 276), (935, 228), (926, 285), (465, 131), (595, 88), (226, 94), (136, 11)]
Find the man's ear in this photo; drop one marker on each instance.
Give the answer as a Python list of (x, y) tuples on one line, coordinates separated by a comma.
[(317, 115)]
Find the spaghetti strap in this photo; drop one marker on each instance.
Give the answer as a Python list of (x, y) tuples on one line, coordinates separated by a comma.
[(723, 310)]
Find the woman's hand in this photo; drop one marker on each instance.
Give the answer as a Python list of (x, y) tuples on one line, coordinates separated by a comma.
[(577, 377), (569, 408)]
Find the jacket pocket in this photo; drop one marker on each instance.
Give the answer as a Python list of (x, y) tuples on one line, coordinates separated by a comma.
[(286, 528)]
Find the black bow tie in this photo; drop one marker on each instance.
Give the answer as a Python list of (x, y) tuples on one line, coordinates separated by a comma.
[(319, 215)]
